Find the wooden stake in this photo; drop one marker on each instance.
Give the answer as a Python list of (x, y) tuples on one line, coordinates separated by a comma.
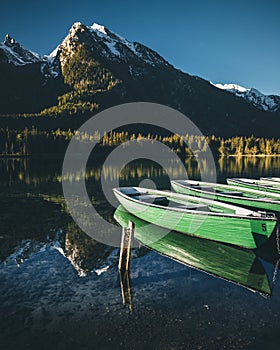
[(124, 264), (125, 249)]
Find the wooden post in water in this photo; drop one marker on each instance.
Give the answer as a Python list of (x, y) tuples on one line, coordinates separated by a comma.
[(125, 250), (124, 264)]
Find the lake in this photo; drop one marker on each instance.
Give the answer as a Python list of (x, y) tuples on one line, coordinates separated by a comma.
[(60, 288)]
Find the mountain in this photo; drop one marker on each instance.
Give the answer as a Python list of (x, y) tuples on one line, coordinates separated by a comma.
[(94, 68), (270, 103), (28, 82), (13, 53)]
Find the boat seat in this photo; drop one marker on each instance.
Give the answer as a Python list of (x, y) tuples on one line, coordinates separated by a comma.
[(231, 193), (199, 207), (152, 199), (185, 182), (130, 191), (207, 188)]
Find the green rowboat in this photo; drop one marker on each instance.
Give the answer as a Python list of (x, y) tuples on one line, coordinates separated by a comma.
[(199, 217), (232, 264), (228, 194), (254, 184), (271, 181)]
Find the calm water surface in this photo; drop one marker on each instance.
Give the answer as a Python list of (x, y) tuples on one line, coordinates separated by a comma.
[(60, 289)]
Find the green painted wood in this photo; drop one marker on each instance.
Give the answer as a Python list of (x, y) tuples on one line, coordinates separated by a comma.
[(249, 198), (230, 263), (225, 223), (254, 184), (270, 181)]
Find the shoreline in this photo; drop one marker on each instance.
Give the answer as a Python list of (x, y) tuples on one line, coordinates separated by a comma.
[(61, 155)]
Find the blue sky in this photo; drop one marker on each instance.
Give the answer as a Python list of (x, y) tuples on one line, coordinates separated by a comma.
[(228, 41)]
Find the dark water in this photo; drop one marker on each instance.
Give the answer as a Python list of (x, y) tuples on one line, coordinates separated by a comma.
[(60, 289)]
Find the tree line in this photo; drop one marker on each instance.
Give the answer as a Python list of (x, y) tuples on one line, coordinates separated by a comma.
[(33, 142)]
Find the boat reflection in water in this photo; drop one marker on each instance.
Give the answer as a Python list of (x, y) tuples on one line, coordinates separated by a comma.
[(233, 264)]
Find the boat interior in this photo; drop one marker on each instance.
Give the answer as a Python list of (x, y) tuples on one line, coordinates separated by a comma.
[(212, 189), (253, 182), (147, 196), (162, 200)]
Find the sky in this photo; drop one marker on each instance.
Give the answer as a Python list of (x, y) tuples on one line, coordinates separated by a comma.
[(224, 41)]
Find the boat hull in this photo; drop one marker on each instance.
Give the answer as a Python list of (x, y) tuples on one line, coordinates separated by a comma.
[(270, 181), (255, 186), (247, 232), (235, 265), (251, 202)]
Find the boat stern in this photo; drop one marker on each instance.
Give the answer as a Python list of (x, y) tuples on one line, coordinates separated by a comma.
[(263, 229)]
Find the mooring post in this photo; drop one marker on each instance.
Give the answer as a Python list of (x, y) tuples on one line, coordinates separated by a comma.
[(125, 249), (124, 264)]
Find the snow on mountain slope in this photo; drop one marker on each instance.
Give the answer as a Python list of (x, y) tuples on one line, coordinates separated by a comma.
[(270, 103), (113, 40), (108, 45), (13, 52), (131, 61)]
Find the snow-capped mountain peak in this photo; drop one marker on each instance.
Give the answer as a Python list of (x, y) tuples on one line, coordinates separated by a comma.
[(8, 41), (98, 27), (13, 52), (269, 103), (108, 45), (233, 87)]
